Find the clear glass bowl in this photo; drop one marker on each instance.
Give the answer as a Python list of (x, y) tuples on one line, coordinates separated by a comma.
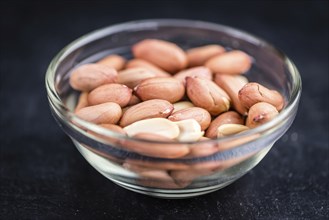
[(216, 166)]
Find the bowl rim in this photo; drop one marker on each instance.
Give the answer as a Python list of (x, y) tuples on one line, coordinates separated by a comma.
[(69, 116)]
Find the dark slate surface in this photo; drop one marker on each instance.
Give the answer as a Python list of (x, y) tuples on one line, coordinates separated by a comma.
[(43, 176)]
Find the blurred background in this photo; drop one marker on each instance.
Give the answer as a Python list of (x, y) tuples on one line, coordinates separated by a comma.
[(42, 174)]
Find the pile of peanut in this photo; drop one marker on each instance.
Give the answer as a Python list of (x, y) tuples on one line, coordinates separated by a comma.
[(167, 94)]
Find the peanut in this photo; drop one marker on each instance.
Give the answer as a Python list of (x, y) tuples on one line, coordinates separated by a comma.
[(182, 105), (200, 72), (157, 179), (189, 130), (105, 113), (199, 55), (232, 85), (229, 129), (260, 113), (147, 65), (230, 117), (202, 148), (152, 177), (162, 150), (89, 76), (206, 94), (82, 102), (169, 89), (155, 108), (113, 128), (162, 165), (134, 100), (115, 61), (113, 92), (156, 126), (232, 62), (201, 115), (166, 55), (133, 76), (253, 93)]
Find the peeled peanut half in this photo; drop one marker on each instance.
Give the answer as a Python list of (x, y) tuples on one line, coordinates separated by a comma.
[(230, 129), (157, 126), (189, 130)]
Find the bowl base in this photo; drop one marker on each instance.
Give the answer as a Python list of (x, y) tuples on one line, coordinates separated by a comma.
[(171, 194), (127, 179)]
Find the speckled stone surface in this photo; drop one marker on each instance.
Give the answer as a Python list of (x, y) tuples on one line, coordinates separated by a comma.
[(42, 175)]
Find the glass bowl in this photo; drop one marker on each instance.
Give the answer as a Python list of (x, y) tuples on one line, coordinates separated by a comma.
[(215, 163)]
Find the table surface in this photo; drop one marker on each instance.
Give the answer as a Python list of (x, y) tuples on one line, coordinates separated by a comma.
[(43, 175)]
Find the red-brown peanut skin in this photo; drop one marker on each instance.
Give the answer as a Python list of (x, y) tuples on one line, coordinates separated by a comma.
[(232, 62), (147, 65), (199, 55), (163, 165), (200, 72), (152, 177), (230, 117), (166, 55), (202, 148), (252, 93), (133, 76), (113, 128), (160, 150), (206, 94), (201, 115), (134, 100), (89, 76), (232, 85), (112, 92), (157, 179), (115, 61), (260, 113), (105, 113), (82, 102), (155, 108), (169, 89)]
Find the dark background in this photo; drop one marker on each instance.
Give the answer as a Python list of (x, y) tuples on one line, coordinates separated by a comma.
[(43, 176)]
